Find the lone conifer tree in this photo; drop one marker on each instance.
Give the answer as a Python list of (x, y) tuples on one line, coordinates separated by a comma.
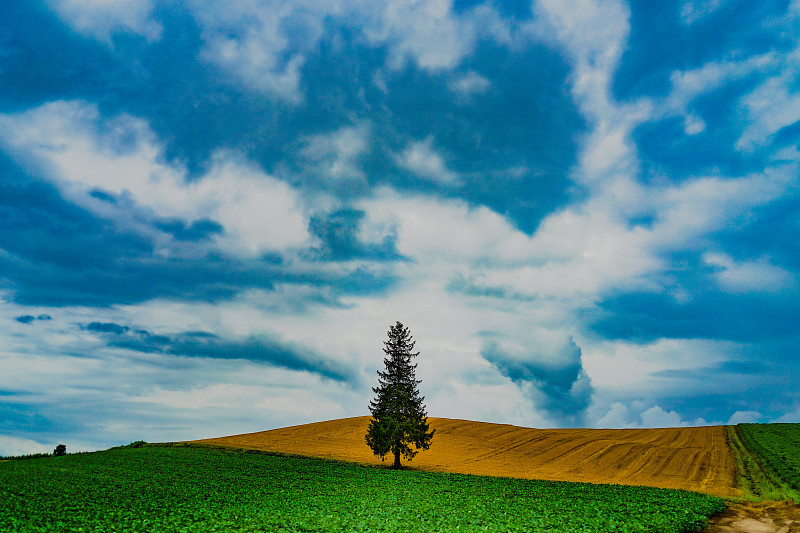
[(398, 415)]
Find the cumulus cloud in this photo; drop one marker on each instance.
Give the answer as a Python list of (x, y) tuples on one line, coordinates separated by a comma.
[(553, 372), (422, 159), (745, 417), (622, 416)]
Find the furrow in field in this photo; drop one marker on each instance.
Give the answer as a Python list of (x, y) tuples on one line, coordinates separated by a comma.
[(688, 458)]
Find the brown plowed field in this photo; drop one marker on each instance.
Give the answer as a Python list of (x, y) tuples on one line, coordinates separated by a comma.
[(686, 458)]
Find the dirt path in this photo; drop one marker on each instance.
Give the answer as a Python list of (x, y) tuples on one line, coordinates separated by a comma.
[(766, 517)]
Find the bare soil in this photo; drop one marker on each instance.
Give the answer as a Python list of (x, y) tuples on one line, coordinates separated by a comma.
[(681, 458), (765, 517)]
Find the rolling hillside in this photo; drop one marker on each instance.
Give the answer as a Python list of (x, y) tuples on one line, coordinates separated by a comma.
[(685, 458)]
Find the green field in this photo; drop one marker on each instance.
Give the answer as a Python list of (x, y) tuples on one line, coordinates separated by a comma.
[(176, 489), (772, 470)]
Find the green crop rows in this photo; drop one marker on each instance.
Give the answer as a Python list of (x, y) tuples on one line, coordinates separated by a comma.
[(776, 448), (173, 489)]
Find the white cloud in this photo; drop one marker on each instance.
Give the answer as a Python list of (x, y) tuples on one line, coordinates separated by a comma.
[(702, 205), (689, 84), (657, 417), (747, 276), (264, 44), (101, 18), (792, 417), (334, 158), (114, 395), (251, 39), (81, 152), (622, 416), (434, 231), (692, 125), (593, 33), (772, 106), (469, 85), (745, 417), (425, 162), (642, 370), (426, 31), (10, 446), (694, 10), (617, 417)]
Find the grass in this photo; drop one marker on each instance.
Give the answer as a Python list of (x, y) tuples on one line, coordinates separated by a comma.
[(755, 482), (175, 489), (770, 459)]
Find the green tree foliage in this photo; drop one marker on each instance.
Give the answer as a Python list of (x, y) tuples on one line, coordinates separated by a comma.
[(61, 449), (398, 414)]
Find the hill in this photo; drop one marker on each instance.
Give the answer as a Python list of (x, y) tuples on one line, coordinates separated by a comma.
[(696, 459)]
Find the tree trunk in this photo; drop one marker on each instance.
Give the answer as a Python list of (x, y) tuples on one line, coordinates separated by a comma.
[(396, 464)]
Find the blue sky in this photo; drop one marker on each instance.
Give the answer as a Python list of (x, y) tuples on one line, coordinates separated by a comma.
[(586, 211)]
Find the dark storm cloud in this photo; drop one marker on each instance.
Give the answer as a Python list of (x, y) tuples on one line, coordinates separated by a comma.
[(259, 349), (558, 376)]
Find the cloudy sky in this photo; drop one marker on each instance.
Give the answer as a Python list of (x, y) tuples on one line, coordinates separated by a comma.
[(586, 211)]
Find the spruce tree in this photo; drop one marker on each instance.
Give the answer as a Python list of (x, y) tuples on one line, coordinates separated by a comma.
[(398, 414)]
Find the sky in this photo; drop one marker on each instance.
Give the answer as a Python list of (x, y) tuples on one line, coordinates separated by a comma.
[(585, 211)]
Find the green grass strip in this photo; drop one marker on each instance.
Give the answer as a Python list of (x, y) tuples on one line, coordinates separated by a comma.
[(173, 489), (775, 449), (755, 482)]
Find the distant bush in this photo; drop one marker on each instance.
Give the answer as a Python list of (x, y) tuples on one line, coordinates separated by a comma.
[(60, 450), (137, 444)]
